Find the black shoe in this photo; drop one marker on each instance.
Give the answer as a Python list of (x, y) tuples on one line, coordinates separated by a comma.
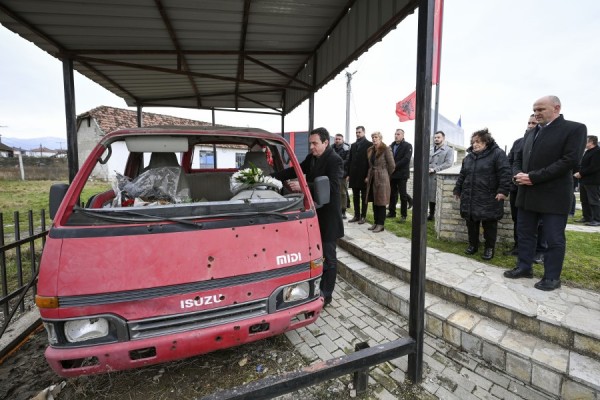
[(471, 250), (430, 217), (539, 258), (354, 219), (409, 200), (547, 284), (516, 273), (402, 219), (362, 221), (378, 228), (593, 223), (582, 220), (488, 253), (390, 215), (327, 301), (372, 227)]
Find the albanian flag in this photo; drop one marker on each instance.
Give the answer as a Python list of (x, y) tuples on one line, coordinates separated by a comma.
[(405, 109)]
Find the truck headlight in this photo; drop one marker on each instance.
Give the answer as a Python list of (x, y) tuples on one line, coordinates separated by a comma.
[(296, 292), (80, 330)]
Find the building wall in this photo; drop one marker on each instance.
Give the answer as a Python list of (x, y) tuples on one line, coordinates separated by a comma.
[(88, 135)]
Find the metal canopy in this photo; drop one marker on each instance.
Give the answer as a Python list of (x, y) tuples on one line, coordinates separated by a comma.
[(211, 54)]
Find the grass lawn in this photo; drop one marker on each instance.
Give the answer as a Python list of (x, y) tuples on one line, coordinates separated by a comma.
[(580, 269)]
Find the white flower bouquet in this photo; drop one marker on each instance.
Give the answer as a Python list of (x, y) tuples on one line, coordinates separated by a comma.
[(252, 178)]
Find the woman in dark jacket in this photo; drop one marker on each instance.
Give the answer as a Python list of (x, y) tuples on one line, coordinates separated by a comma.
[(381, 166), (482, 186)]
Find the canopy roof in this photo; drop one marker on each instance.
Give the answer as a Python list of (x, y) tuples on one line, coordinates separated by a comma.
[(213, 54)]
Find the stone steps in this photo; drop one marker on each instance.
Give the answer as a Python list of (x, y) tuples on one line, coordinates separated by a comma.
[(486, 321)]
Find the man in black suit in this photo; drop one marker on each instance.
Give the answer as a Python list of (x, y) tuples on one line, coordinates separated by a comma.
[(323, 161), (589, 179), (543, 169), (402, 151), (358, 166)]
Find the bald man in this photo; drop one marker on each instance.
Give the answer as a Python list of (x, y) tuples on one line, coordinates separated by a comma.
[(543, 169)]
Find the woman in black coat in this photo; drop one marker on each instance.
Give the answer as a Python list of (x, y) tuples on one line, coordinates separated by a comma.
[(482, 186)]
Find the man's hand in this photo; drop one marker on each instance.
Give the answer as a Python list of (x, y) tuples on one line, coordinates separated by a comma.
[(500, 197), (431, 171), (522, 179), (577, 175), (293, 185)]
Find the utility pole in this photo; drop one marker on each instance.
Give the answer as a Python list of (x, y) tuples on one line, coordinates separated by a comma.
[(348, 92)]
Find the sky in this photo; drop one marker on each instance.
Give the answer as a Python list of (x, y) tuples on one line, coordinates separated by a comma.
[(498, 57)]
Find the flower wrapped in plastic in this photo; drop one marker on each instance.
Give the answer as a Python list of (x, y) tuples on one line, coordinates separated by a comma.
[(252, 178)]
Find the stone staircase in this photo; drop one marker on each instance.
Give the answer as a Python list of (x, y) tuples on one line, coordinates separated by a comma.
[(547, 340)]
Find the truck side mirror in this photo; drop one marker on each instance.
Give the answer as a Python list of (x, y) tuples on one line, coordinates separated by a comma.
[(57, 194), (321, 191)]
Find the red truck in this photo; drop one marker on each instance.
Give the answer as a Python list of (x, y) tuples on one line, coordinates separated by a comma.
[(181, 257)]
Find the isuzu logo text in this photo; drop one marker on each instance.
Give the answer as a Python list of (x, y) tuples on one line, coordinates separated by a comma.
[(201, 301), (288, 258)]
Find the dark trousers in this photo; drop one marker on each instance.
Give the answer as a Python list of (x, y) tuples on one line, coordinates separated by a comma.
[(590, 202), (553, 231), (359, 198), (329, 269), (379, 214), (398, 187), (343, 194), (432, 208), (541, 244), (490, 230)]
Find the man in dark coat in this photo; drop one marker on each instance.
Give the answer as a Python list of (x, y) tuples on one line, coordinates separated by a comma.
[(402, 152), (589, 179), (342, 148), (358, 166), (541, 243), (543, 170), (323, 161)]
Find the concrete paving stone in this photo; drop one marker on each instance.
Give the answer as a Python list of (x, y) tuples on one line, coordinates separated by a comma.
[(434, 364), (551, 355), (346, 334), (545, 379), (490, 330), (462, 394), (314, 330), (401, 363), (583, 320), (384, 379), (332, 321), (550, 314), (460, 380), (464, 319), (326, 342), (555, 334), (518, 367), (494, 376), (443, 310), (331, 333), (463, 359), (585, 370), (499, 294), (484, 395), (586, 344), (434, 325), (527, 392), (503, 393), (293, 337), (307, 352), (474, 285), (322, 352), (332, 312), (374, 335), (344, 345), (372, 322), (444, 394), (500, 313), (445, 278), (575, 391), (479, 381), (385, 395), (308, 338), (360, 335), (338, 353), (519, 342), (430, 385), (388, 334), (398, 375)]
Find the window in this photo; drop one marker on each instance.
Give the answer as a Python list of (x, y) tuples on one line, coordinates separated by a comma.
[(239, 160)]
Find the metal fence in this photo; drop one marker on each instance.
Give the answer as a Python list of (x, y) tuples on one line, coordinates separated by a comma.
[(19, 264)]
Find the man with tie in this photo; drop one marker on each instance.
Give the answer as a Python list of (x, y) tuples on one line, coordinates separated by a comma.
[(402, 152), (543, 169)]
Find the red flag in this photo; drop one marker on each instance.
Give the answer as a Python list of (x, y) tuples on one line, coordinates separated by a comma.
[(405, 109), (437, 41)]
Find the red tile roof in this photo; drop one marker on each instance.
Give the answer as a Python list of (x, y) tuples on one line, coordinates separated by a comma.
[(111, 118)]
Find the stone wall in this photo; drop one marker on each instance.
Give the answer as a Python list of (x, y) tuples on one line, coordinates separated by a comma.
[(36, 168), (448, 222)]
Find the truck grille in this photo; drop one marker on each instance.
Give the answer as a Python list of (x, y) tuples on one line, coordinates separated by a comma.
[(184, 322)]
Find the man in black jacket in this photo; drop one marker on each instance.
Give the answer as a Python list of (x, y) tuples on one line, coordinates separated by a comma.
[(323, 161), (543, 170), (342, 148), (358, 166), (589, 176), (402, 151)]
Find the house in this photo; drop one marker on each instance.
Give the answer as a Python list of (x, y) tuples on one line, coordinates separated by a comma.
[(6, 151), (98, 122)]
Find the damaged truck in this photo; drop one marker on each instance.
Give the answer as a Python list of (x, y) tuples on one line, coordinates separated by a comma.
[(195, 248)]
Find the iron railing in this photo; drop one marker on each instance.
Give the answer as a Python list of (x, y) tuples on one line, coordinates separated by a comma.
[(19, 265)]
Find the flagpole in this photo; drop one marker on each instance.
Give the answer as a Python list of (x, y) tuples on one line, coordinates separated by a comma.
[(437, 108), (438, 56)]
